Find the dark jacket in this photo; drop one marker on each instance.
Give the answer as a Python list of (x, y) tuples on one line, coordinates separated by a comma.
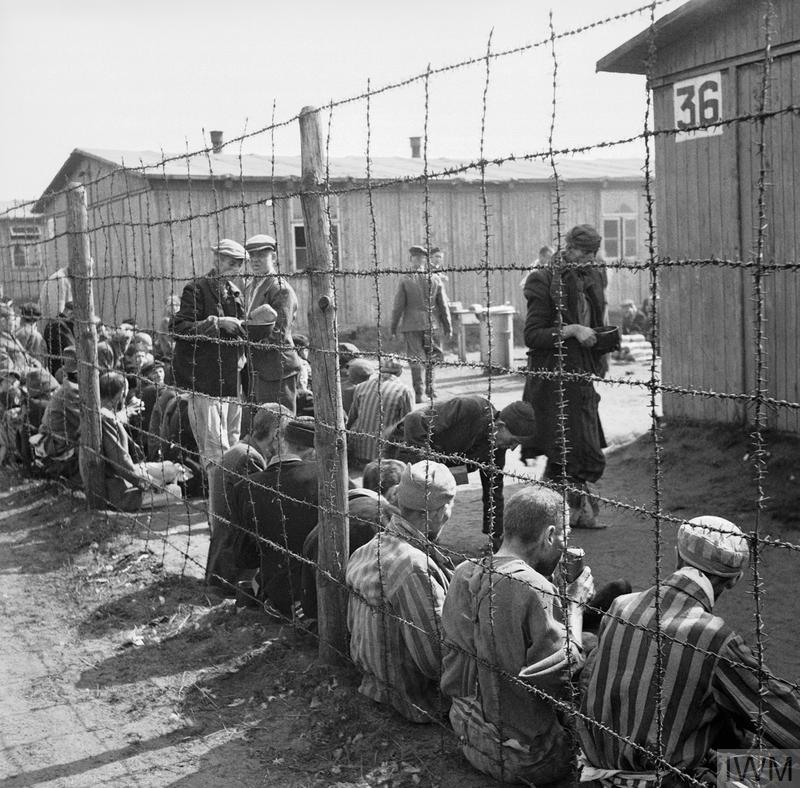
[(271, 354), (206, 359), (279, 507), (583, 431)]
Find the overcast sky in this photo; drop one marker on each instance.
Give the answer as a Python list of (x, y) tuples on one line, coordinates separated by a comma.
[(153, 74)]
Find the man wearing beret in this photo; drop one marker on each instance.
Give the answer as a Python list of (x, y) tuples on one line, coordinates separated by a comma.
[(273, 363), (276, 510), (565, 302), (420, 309), (716, 695), (209, 352), (398, 582), (469, 430)]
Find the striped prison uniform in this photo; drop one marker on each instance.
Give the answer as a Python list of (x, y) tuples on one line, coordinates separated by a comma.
[(365, 420), (398, 585), (710, 692)]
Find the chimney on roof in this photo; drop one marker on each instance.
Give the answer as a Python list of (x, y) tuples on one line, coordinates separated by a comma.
[(415, 146), (216, 141)]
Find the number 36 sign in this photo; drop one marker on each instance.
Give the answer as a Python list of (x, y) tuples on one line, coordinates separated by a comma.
[(698, 102)]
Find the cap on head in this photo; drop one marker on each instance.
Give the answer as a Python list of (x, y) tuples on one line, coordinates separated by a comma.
[(391, 365), (30, 311), (713, 545), (519, 419), (260, 243), (263, 315), (426, 485), (418, 251), (231, 249), (359, 370), (584, 237), (300, 431), (435, 250)]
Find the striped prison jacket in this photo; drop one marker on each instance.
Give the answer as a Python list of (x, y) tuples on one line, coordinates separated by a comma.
[(398, 584), (710, 691)]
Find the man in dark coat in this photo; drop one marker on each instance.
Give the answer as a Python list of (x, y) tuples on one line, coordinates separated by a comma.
[(275, 511), (209, 352), (566, 301), (461, 431)]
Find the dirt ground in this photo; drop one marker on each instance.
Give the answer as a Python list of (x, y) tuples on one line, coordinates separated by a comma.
[(118, 668)]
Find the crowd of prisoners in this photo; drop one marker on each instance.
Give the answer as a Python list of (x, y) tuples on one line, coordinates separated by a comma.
[(544, 677)]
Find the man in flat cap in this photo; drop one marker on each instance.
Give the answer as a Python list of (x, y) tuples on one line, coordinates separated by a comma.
[(278, 509), (420, 310), (273, 363), (716, 694), (469, 430), (379, 402), (566, 301), (399, 580), (209, 352)]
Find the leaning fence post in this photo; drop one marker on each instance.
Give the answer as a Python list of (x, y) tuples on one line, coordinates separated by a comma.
[(91, 463), (330, 441)]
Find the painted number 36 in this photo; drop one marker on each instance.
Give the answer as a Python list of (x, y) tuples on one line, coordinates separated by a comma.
[(698, 105)]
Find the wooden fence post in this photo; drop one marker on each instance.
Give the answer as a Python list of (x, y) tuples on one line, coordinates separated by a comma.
[(330, 441), (91, 462)]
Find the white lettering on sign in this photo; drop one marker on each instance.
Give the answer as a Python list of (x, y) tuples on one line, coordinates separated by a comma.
[(698, 102)]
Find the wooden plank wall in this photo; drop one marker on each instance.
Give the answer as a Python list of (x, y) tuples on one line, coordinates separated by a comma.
[(782, 198), (148, 239), (701, 306), (737, 31)]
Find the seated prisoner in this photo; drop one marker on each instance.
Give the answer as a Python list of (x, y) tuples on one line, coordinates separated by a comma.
[(508, 658), (398, 581), (716, 696), (129, 486), (368, 510), (276, 510), (246, 457)]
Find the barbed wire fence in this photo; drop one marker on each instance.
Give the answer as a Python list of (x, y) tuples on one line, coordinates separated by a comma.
[(134, 235)]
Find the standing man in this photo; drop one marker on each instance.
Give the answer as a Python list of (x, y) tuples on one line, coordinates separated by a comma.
[(209, 352), (469, 431), (420, 309), (510, 656), (399, 579), (565, 302), (273, 362)]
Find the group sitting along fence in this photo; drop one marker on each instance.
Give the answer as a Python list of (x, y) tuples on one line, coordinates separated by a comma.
[(137, 233)]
